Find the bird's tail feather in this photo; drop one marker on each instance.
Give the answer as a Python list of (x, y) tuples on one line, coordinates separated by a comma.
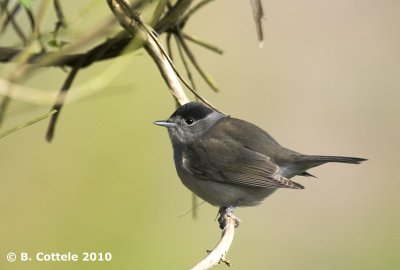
[(324, 159)]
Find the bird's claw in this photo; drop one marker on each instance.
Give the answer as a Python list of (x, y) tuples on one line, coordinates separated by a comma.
[(225, 212)]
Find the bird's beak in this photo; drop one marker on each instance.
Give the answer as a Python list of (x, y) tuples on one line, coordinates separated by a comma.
[(165, 123)]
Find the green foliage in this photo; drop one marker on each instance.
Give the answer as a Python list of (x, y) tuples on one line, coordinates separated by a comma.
[(26, 3)]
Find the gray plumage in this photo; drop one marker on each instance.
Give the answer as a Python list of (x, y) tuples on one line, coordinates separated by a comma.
[(231, 162)]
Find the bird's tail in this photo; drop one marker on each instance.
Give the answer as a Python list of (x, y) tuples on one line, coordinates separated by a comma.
[(325, 159), (304, 162)]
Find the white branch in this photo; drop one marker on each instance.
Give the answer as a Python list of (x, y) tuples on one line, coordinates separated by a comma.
[(218, 254), (152, 45), (167, 71)]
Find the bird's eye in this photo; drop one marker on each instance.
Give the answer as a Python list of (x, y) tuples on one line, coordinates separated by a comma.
[(189, 121)]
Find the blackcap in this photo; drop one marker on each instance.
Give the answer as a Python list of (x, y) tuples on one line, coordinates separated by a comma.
[(229, 162)]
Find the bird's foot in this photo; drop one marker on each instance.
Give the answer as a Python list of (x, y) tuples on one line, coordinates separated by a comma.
[(225, 212)]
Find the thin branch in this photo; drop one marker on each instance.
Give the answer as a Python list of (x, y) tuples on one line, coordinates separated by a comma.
[(185, 65), (5, 102), (60, 16), (18, 30), (124, 14), (50, 59), (22, 65), (116, 44), (203, 44), (60, 101), (31, 19), (35, 28), (63, 93), (59, 59), (165, 55), (108, 49), (3, 6), (195, 63), (8, 16), (194, 206), (258, 14), (158, 12), (169, 46), (23, 57), (174, 13), (127, 19), (33, 121), (167, 71), (194, 10), (218, 254)]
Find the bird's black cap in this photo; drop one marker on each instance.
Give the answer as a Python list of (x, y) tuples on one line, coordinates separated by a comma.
[(192, 109)]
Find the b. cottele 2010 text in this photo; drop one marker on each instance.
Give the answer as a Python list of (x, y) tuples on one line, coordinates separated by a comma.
[(68, 257)]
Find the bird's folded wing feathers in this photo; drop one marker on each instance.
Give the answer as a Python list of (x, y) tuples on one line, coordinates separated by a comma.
[(236, 164)]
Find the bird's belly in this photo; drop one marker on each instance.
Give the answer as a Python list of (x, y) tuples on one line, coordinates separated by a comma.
[(225, 194)]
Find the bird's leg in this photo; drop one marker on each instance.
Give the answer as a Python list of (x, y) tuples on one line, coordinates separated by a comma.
[(227, 212)]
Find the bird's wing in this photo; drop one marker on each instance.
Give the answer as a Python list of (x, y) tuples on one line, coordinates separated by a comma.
[(233, 163)]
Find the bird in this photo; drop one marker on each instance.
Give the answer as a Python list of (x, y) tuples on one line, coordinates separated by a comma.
[(229, 162)]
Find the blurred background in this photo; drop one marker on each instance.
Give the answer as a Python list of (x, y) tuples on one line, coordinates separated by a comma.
[(326, 82)]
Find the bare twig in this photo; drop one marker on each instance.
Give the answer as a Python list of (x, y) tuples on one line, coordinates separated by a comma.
[(173, 15), (195, 63), (63, 92), (185, 65), (60, 101), (158, 12), (18, 30), (33, 121), (60, 16), (27, 61), (22, 65), (51, 58), (258, 15), (194, 10), (128, 20), (204, 44), (3, 6), (64, 58), (167, 71), (169, 46), (125, 17), (194, 206), (218, 254), (165, 55), (23, 68), (35, 28), (8, 16), (5, 102)]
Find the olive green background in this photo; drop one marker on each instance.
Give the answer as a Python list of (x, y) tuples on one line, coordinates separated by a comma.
[(326, 82)]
